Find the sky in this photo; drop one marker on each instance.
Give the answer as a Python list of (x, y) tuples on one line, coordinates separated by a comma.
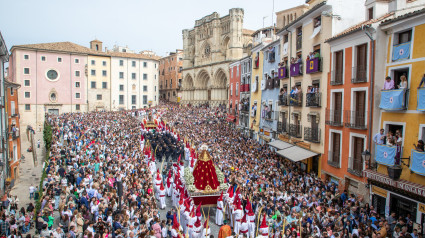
[(139, 24)]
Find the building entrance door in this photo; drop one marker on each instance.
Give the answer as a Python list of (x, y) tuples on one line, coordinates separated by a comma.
[(402, 206), (209, 94)]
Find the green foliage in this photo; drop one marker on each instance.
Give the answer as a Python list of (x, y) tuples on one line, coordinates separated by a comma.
[(47, 135)]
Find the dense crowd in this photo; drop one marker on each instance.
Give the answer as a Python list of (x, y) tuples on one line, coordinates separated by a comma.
[(94, 155)]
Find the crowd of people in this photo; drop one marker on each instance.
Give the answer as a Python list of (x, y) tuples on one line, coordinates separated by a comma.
[(101, 182)]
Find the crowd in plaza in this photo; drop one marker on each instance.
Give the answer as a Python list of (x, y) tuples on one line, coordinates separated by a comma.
[(95, 157)]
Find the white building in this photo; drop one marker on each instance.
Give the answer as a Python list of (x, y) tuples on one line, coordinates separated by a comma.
[(134, 80)]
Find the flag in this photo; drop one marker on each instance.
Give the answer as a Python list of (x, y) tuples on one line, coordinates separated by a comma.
[(401, 51), (392, 99), (385, 154), (421, 99), (418, 162)]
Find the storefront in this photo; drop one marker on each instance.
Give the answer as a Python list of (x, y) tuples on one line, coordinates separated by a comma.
[(308, 160), (401, 196)]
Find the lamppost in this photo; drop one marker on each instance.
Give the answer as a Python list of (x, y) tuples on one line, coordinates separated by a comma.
[(366, 157)]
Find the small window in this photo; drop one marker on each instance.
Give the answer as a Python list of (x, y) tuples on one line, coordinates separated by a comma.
[(145, 77), (77, 107), (155, 89), (133, 63), (317, 21), (404, 37), (104, 63), (27, 83), (104, 74), (133, 99), (104, 85), (93, 72), (93, 62), (99, 96), (145, 64), (77, 84), (145, 99), (43, 58), (11, 92), (121, 87), (27, 57), (26, 70), (77, 61), (59, 59), (27, 94), (121, 75), (370, 13), (93, 84), (27, 107), (77, 95), (77, 73), (145, 88), (121, 99), (121, 62), (133, 75)]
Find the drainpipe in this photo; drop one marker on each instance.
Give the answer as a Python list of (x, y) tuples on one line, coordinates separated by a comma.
[(371, 86)]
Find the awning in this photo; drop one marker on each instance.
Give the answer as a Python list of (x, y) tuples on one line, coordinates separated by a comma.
[(280, 145), (296, 153), (315, 32)]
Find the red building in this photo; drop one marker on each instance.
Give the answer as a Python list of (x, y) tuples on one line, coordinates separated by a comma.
[(234, 97)]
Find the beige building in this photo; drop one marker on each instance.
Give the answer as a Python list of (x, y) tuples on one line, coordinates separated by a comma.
[(284, 17), (209, 47)]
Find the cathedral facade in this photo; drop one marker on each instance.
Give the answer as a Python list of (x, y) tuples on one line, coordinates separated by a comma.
[(209, 48)]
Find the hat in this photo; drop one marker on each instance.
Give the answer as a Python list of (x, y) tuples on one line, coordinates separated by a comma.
[(264, 222), (224, 221), (243, 218), (176, 225), (162, 187), (221, 197), (197, 223), (198, 210)]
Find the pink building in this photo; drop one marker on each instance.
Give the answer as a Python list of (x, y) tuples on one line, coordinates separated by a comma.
[(52, 78), (234, 97)]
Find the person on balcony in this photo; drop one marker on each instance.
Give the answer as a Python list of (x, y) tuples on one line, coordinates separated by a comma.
[(420, 146), (389, 83), (399, 142), (317, 54), (293, 60), (379, 138), (299, 60), (310, 93), (422, 82), (403, 82), (282, 95)]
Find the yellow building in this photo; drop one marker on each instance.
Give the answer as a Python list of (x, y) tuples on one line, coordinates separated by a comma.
[(98, 78), (257, 76), (398, 179)]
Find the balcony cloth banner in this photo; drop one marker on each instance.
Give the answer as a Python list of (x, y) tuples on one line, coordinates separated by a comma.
[(418, 162), (401, 51), (282, 73), (421, 99), (312, 65), (295, 69), (392, 99), (385, 154)]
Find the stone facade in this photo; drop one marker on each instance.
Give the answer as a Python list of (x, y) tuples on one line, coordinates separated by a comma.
[(209, 47)]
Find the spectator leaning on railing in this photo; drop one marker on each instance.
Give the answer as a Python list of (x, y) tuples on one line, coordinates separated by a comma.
[(389, 83)]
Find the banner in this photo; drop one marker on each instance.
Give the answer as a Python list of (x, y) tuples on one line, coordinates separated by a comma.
[(283, 73), (418, 162), (295, 69), (421, 99), (385, 154), (401, 51), (313, 65), (392, 99)]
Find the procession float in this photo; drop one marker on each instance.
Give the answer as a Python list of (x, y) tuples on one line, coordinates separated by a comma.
[(206, 182)]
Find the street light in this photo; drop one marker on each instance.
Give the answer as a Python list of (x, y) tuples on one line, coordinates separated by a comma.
[(366, 156)]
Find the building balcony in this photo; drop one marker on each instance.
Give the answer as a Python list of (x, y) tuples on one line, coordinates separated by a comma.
[(401, 51), (244, 88), (282, 127), (334, 159), (333, 117), (283, 72), (355, 120), (355, 166), (394, 100), (283, 100), (296, 100), (296, 69), (269, 116), (313, 65), (15, 134), (244, 108), (313, 99), (312, 134), (336, 77), (15, 115), (295, 131), (359, 74), (421, 99)]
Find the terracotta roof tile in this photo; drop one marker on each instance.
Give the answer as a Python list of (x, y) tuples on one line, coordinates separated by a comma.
[(70, 47), (247, 32), (359, 26), (401, 17)]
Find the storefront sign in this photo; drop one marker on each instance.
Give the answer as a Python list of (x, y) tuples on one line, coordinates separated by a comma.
[(379, 191), (401, 184)]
